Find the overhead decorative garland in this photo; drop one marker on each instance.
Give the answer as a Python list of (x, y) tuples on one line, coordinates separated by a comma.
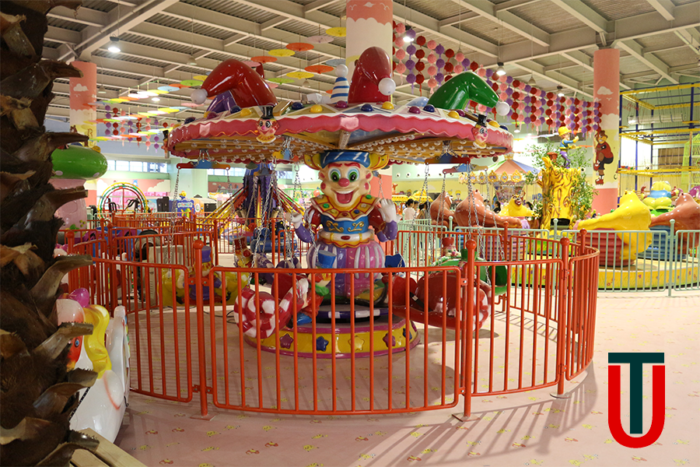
[(529, 105)]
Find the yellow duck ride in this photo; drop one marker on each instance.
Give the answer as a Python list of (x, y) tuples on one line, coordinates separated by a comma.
[(620, 249)]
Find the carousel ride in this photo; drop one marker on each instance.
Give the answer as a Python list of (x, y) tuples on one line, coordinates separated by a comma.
[(250, 213), (345, 225)]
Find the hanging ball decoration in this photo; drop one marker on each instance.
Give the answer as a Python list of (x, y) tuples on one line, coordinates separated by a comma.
[(115, 132), (432, 59), (401, 54), (156, 138), (431, 44), (420, 54), (400, 68), (108, 107), (432, 83), (420, 40), (420, 66), (107, 132), (432, 71), (440, 78), (411, 49), (459, 56), (108, 115), (458, 69), (420, 78), (156, 146), (410, 78), (502, 108), (165, 124), (410, 64), (473, 66), (449, 67), (440, 49), (400, 28), (449, 53), (440, 63), (481, 72)]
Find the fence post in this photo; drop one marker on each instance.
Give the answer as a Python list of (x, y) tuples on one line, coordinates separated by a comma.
[(555, 221), (198, 245), (562, 332), (450, 223), (582, 241), (468, 329), (671, 256), (215, 242)]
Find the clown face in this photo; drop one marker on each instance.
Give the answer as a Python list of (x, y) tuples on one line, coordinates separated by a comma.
[(266, 129), (480, 134), (345, 182)]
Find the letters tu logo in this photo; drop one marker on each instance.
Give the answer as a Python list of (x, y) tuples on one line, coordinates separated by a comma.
[(636, 362)]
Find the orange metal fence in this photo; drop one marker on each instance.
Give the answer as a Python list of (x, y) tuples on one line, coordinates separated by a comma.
[(353, 358)]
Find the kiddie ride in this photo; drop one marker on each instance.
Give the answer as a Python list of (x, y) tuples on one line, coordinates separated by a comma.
[(348, 228)]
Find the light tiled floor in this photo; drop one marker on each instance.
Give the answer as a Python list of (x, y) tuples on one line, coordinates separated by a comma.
[(520, 429)]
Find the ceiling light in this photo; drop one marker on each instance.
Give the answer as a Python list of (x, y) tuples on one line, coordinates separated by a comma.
[(560, 91), (155, 99), (500, 71), (517, 129), (407, 38), (101, 90), (114, 45), (306, 83), (632, 120), (532, 81), (191, 60)]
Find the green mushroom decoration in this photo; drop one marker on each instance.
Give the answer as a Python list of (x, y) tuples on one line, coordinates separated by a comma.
[(71, 167), (78, 162)]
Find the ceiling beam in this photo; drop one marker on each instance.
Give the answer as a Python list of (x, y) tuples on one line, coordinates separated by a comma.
[(664, 7), (633, 27), (317, 4), (119, 21), (274, 22), (510, 4), (83, 15), (430, 26), (457, 19), (580, 58), (559, 78), (691, 38), (634, 48), (240, 29), (586, 15), (505, 18), (293, 11)]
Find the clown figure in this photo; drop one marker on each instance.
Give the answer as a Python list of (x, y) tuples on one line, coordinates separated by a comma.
[(346, 211)]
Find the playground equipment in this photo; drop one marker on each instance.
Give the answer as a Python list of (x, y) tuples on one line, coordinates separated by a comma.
[(506, 178), (106, 351), (121, 197)]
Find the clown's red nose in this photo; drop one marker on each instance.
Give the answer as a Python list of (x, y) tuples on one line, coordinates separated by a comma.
[(344, 182)]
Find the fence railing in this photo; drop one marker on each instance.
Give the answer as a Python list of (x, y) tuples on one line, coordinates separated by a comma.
[(195, 326)]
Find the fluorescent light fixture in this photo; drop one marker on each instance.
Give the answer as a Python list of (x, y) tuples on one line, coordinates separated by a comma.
[(532, 81), (560, 91), (407, 38), (191, 60), (517, 129), (101, 90), (632, 120), (155, 99), (500, 71), (114, 45)]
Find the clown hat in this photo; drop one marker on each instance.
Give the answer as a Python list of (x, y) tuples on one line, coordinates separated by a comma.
[(371, 80), (457, 92), (247, 87)]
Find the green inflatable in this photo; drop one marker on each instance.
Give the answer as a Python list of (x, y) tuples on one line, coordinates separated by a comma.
[(456, 93), (78, 162)]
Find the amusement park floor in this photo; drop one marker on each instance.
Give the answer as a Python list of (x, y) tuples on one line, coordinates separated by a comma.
[(522, 429)]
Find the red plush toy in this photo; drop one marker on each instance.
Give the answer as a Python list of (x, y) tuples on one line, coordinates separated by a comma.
[(267, 308)]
